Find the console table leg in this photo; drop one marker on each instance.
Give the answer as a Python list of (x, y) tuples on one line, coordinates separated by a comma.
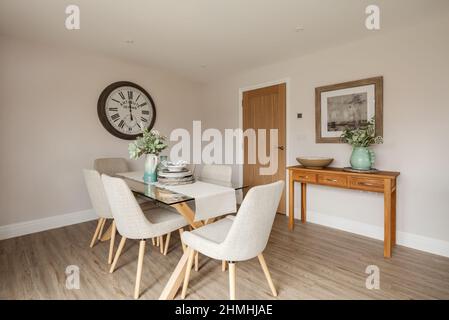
[(387, 218), (393, 218), (303, 203), (291, 204)]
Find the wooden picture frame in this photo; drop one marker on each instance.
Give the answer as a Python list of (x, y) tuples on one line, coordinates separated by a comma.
[(368, 92)]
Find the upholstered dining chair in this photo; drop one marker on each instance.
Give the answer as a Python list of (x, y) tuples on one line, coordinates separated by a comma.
[(101, 207), (238, 238), (216, 172), (133, 224), (111, 166)]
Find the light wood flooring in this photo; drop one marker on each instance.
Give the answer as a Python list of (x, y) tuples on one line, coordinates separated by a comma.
[(313, 262)]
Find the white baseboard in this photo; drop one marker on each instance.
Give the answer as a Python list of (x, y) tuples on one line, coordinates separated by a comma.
[(405, 239), (23, 228)]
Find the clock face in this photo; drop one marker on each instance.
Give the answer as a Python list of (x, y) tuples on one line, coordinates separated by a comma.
[(125, 109)]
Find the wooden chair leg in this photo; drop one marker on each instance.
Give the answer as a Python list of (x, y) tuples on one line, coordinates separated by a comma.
[(167, 241), (231, 280), (112, 243), (263, 264), (187, 274), (153, 241), (161, 242), (158, 241), (97, 230), (103, 222), (196, 261), (182, 243), (139, 268), (117, 254), (223, 265)]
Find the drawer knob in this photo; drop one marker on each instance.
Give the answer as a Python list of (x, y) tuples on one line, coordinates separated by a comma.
[(332, 180)]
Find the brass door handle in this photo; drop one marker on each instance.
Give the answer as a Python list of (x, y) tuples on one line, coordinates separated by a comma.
[(281, 147)]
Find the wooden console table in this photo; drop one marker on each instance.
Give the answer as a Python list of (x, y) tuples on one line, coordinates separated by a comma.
[(382, 181)]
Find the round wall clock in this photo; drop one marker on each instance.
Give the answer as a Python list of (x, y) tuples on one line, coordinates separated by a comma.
[(124, 109)]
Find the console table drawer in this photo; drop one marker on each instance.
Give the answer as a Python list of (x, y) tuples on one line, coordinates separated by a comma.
[(333, 180), (367, 184), (304, 176)]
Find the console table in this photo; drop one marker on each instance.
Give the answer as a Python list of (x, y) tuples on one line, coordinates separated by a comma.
[(382, 182)]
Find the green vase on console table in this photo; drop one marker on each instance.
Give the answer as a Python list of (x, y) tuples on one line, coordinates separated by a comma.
[(362, 158)]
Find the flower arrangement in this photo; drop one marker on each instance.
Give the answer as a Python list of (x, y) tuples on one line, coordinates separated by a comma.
[(151, 142), (363, 136)]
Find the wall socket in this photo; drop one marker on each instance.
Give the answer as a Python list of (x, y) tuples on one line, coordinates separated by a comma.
[(299, 115)]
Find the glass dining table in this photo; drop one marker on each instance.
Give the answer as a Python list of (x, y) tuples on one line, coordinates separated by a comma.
[(161, 194)]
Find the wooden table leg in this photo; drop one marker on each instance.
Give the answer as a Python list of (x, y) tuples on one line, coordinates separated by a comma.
[(184, 209), (291, 204), (303, 202), (177, 277), (393, 218), (387, 218)]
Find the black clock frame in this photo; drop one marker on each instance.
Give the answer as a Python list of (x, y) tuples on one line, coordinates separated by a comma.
[(101, 109)]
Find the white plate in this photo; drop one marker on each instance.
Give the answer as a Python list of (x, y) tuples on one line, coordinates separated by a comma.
[(175, 168)]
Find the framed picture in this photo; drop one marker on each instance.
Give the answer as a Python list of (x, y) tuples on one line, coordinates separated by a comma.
[(347, 105)]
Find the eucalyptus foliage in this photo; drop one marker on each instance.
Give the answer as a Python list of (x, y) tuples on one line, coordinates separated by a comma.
[(363, 136), (151, 142)]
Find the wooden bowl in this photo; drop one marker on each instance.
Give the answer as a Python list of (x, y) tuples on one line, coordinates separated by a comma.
[(314, 162)]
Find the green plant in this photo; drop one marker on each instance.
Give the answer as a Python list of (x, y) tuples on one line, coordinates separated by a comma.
[(363, 136), (151, 142)]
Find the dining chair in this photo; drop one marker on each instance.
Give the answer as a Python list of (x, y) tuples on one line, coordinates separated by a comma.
[(111, 166), (238, 238), (216, 172), (101, 207), (133, 224)]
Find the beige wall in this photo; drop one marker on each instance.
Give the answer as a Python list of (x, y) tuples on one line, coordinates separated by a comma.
[(415, 66), (49, 129)]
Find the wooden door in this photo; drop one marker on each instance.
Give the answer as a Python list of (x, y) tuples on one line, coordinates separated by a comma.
[(265, 109)]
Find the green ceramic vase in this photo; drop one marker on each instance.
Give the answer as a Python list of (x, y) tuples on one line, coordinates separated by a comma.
[(362, 158)]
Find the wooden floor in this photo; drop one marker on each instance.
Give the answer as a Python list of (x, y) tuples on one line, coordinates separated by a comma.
[(313, 262)]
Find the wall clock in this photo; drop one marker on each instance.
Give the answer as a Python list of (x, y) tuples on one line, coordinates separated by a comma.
[(125, 108)]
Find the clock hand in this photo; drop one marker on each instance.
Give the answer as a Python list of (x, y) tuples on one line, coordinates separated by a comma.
[(130, 111)]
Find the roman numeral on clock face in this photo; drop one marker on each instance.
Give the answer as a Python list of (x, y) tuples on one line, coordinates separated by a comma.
[(130, 95), (115, 117), (121, 124), (146, 112), (121, 95), (113, 109), (143, 119), (143, 104)]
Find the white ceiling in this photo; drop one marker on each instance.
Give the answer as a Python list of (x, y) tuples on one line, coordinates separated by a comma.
[(204, 39)]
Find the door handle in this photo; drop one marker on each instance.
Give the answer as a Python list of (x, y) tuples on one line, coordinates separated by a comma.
[(281, 147)]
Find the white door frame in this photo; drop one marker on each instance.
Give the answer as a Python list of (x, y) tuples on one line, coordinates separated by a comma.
[(287, 112)]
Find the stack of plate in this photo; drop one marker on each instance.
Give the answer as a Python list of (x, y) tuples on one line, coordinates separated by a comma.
[(175, 177)]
